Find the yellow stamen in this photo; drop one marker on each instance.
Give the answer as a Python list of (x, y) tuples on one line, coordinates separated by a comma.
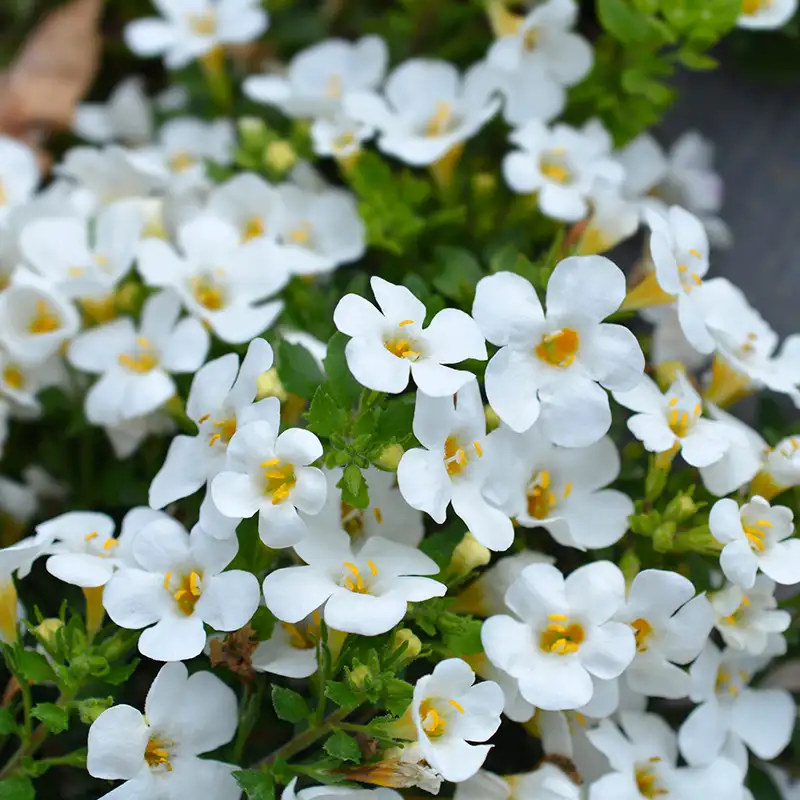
[(441, 122), (561, 639), (167, 579), (456, 705), (156, 754), (642, 629), (90, 536), (378, 515), (559, 348), (406, 322), (455, 458), (280, 479), (44, 321), (13, 377), (204, 418), (695, 253), (181, 161), (478, 449), (356, 586), (372, 568), (254, 229), (110, 544)]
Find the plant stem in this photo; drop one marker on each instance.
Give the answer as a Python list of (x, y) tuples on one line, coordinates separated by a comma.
[(304, 740), (36, 741)]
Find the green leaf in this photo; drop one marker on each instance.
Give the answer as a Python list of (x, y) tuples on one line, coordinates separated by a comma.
[(466, 639), (8, 724), (621, 21), (54, 717), (325, 416), (341, 694), (256, 785), (263, 623), (394, 423), (34, 666), (342, 747), (761, 785), (121, 673), (354, 487), (398, 695), (17, 789), (92, 707), (298, 370), (440, 545), (289, 705), (459, 272), (341, 384)]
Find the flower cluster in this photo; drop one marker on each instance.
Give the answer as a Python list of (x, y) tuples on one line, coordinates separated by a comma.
[(411, 479)]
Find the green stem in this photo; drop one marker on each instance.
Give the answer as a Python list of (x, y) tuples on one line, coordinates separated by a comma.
[(27, 730), (304, 740), (25, 750)]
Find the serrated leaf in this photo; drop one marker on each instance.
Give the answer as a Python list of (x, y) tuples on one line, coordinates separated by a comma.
[(341, 694), (458, 274), (8, 724), (466, 641), (325, 416), (342, 747), (340, 382), (354, 487), (440, 545), (33, 666), (256, 785), (394, 424), (54, 717), (121, 673), (289, 705), (298, 370), (621, 21), (17, 789)]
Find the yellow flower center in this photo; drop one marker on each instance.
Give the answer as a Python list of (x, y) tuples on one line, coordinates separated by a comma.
[(442, 121), (333, 88), (208, 293), (44, 320), (530, 39), (738, 615), (186, 590), (13, 376), (254, 229), (343, 142), (560, 348), (280, 479), (203, 24), (682, 422), (647, 780), (455, 456), (434, 722), (142, 360), (540, 498), (553, 165), (3, 194), (725, 682), (181, 161), (156, 754), (301, 234), (355, 581), (225, 428), (642, 629), (561, 636), (754, 6), (757, 533), (302, 638), (99, 309)]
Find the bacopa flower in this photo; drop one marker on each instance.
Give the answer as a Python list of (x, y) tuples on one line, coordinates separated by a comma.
[(449, 467), (565, 633), (19, 175), (220, 401), (156, 753), (755, 537), (269, 475), (561, 165), (427, 109), (338, 792), (553, 367), (220, 280), (766, 14), (248, 203), (390, 343), (291, 650), (365, 591), (178, 586), (127, 116), (449, 711), (548, 782), (187, 31), (136, 365)]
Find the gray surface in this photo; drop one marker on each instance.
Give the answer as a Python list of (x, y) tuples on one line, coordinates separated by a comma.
[(756, 129)]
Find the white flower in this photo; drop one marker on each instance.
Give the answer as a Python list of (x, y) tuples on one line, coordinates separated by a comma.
[(387, 515), (19, 175), (84, 258), (290, 650), (337, 793), (560, 489), (747, 620), (176, 587), (746, 357), (427, 108), (156, 753), (220, 280), (126, 436), (190, 30), (781, 469), (320, 230), (390, 343), (671, 626), (547, 782), (83, 549), (21, 382), (667, 422), (567, 633), (449, 712), (339, 137), (248, 203), (731, 715), (268, 474), (561, 165), (185, 143), (669, 341), (319, 77), (364, 592), (540, 58), (755, 537), (679, 250), (549, 365), (613, 219), (127, 116), (449, 467), (766, 14), (643, 758), (220, 401), (35, 320), (16, 559), (136, 365)]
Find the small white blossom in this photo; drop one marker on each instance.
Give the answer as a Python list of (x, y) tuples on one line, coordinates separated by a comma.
[(766, 14), (449, 711), (450, 468), (189, 30), (250, 204), (156, 753), (554, 367), (185, 143), (178, 586), (547, 782), (755, 537), (136, 365), (19, 175), (365, 591), (127, 116), (565, 633), (15, 560), (337, 792), (291, 650), (389, 343)]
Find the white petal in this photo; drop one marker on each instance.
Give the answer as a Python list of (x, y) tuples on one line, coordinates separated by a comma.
[(782, 562), (293, 593), (490, 526), (424, 482), (356, 316), (117, 740), (134, 598), (512, 384), (184, 471), (764, 718), (375, 367), (80, 569), (229, 600), (173, 639), (211, 385), (739, 563), (436, 380), (364, 614), (454, 336), (613, 356), (506, 308), (592, 287), (557, 683), (236, 495), (575, 412)]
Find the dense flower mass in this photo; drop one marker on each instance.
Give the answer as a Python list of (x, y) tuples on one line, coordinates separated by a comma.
[(329, 413)]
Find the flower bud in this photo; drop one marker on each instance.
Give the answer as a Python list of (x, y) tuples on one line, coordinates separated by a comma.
[(280, 156), (412, 642), (269, 385), (468, 555), (360, 678), (253, 132), (390, 457), (681, 508), (47, 630), (663, 537)]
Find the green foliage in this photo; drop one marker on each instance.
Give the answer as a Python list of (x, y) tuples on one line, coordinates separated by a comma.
[(54, 717), (341, 694), (298, 370), (289, 705), (17, 789), (256, 785), (342, 747)]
